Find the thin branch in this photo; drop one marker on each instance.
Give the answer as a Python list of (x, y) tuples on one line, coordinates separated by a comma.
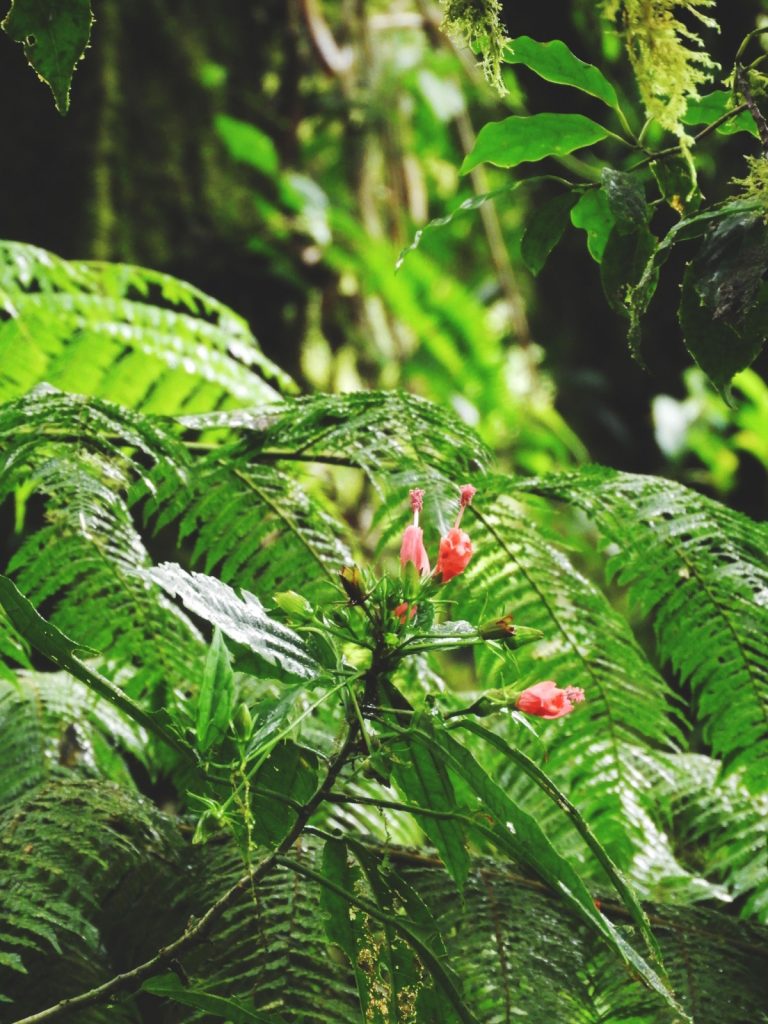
[(662, 154), (198, 928)]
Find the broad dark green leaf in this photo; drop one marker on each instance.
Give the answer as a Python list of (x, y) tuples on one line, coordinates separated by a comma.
[(593, 214), (710, 107), (685, 230), (169, 986), (214, 704), (421, 778), (555, 62), (545, 229), (721, 347), (678, 185), (242, 618), (626, 199), (62, 651), (338, 925), (724, 304), (54, 34), (624, 260), (517, 140)]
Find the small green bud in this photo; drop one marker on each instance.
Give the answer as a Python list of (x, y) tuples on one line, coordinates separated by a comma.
[(508, 633), (294, 604), (243, 722), (208, 824)]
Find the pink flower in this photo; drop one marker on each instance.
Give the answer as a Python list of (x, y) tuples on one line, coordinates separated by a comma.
[(404, 612), (455, 553), (547, 700), (412, 550)]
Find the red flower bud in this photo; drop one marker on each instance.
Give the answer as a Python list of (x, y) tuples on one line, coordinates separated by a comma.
[(455, 553), (547, 700), (403, 612)]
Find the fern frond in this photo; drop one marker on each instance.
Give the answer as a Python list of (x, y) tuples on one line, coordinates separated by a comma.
[(700, 571), (517, 568), (124, 333), (254, 524), (77, 857), (85, 560), (381, 432), (50, 722), (718, 831)]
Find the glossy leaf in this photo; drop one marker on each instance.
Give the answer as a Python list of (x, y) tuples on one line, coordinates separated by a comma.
[(517, 140), (555, 62), (545, 229), (724, 304), (626, 199), (214, 704), (241, 618), (54, 34)]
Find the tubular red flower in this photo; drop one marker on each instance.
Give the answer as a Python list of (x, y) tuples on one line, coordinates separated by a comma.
[(547, 700), (455, 553), (412, 550)]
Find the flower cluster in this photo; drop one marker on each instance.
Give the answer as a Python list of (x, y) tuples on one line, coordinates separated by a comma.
[(455, 546), (543, 700)]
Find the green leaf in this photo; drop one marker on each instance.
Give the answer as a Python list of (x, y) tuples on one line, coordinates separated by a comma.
[(593, 214), (467, 206), (421, 778), (555, 62), (214, 704), (248, 144), (518, 140), (433, 963), (711, 106), (624, 260), (169, 986), (338, 925), (542, 780), (685, 230), (721, 348), (241, 618), (678, 185), (54, 34), (545, 229), (626, 199), (61, 650), (724, 303)]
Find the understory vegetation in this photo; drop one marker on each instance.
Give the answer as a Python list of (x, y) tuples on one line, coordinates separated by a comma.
[(338, 683)]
